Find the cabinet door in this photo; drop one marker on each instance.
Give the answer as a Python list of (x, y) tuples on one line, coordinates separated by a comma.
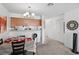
[(25, 22)]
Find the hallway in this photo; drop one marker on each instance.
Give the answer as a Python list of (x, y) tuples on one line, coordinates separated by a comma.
[(53, 47)]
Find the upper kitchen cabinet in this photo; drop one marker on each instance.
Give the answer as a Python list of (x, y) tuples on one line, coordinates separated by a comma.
[(25, 22)]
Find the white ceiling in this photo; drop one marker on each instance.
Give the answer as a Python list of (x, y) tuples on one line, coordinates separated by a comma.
[(41, 8)]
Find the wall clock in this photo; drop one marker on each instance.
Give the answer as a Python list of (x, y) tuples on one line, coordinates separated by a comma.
[(72, 25)]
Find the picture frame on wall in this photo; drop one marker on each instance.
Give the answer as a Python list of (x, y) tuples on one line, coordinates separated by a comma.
[(3, 24)]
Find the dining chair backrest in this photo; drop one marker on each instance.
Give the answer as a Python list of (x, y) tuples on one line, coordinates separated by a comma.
[(34, 36), (1, 41), (18, 47)]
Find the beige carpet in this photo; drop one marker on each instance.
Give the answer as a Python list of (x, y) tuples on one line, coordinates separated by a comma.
[(53, 47)]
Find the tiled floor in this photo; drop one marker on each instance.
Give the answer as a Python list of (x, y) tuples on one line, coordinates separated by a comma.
[(53, 47)]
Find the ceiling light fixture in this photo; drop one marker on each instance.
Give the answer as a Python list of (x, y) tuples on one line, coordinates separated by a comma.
[(28, 13), (50, 4)]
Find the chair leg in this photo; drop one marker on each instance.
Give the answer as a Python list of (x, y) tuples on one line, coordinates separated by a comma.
[(25, 52), (33, 53)]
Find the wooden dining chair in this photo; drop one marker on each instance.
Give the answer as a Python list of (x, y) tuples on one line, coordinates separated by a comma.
[(18, 47)]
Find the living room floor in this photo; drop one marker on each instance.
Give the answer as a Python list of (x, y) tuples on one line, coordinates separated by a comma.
[(53, 47)]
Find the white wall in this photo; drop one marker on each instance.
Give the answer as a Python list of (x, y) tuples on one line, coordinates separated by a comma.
[(71, 15), (54, 28)]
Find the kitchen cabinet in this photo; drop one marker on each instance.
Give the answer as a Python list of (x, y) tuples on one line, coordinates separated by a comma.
[(25, 22)]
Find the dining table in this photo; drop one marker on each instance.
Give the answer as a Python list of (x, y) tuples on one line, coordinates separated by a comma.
[(6, 47)]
